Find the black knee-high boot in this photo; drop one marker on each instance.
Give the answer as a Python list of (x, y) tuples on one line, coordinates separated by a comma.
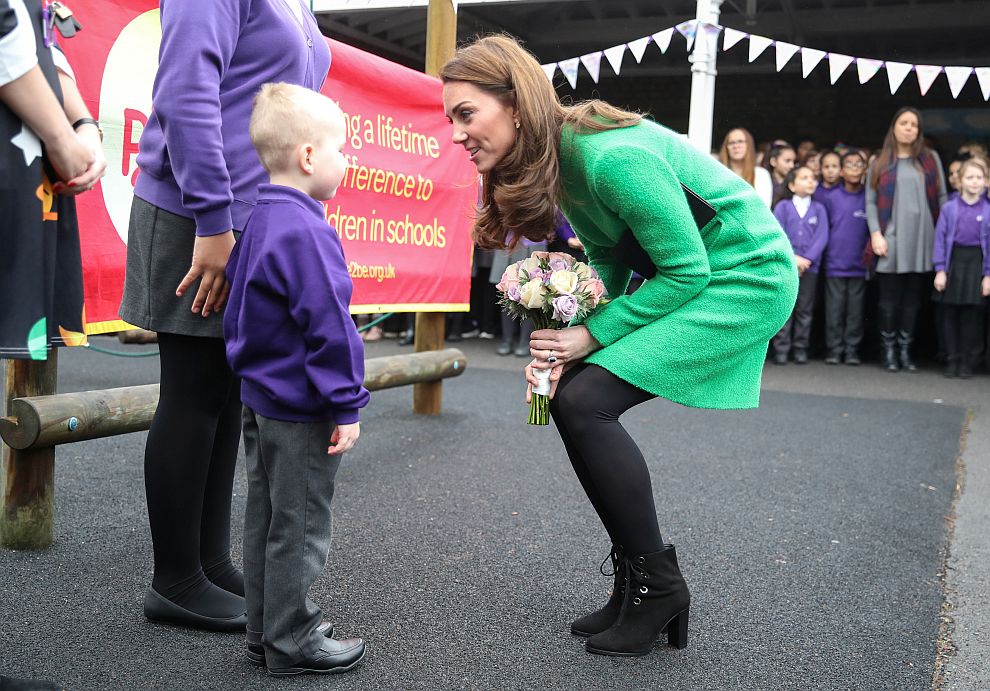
[(905, 337), (888, 337), (656, 597)]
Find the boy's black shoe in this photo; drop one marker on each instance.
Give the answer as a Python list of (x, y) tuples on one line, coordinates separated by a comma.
[(800, 357), (256, 651), (780, 358), (853, 359), (832, 359), (333, 657)]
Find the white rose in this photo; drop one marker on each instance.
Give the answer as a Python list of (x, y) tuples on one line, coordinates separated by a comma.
[(529, 265), (532, 295), (564, 281), (583, 270)]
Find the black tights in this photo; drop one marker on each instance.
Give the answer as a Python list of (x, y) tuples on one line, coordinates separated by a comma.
[(189, 474), (611, 468)]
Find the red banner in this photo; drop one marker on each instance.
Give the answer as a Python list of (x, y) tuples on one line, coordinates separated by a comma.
[(403, 211)]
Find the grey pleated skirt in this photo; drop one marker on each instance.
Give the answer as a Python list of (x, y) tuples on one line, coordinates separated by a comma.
[(159, 254)]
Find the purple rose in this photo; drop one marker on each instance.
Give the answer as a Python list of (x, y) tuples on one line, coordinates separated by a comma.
[(514, 293), (559, 265), (538, 275), (565, 307)]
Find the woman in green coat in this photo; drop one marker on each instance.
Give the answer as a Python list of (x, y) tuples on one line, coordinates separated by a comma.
[(721, 281)]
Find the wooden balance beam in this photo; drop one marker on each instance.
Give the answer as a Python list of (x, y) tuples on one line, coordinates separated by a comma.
[(34, 425)]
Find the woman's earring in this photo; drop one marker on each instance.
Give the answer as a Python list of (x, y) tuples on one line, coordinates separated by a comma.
[(517, 124)]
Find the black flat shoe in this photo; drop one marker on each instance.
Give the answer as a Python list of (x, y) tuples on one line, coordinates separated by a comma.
[(160, 609), (333, 657), (256, 651)]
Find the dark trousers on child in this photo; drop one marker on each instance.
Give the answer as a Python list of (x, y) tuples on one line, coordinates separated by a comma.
[(796, 333), (287, 527), (844, 314)]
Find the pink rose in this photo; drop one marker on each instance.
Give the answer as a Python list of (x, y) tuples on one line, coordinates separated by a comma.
[(506, 285), (594, 288)]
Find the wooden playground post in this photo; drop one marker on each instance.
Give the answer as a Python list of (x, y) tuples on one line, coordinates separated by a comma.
[(29, 475), (441, 41)]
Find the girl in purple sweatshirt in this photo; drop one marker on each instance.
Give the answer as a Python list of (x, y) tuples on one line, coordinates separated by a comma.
[(961, 255), (806, 223), (844, 265), (198, 183)]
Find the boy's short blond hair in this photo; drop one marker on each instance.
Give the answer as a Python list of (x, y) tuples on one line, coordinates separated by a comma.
[(285, 116)]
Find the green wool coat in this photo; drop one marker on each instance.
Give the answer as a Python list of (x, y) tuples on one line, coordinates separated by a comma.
[(697, 332)]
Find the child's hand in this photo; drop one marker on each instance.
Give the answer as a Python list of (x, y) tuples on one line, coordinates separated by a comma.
[(985, 286), (940, 280), (803, 264), (343, 438)]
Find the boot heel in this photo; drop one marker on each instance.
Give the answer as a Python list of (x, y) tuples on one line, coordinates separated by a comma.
[(677, 630)]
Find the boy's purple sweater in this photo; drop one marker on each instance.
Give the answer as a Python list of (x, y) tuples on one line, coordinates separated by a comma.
[(288, 331), (956, 213), (848, 233), (808, 235), (196, 157)]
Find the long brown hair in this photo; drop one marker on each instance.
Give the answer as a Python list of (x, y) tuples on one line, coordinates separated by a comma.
[(749, 162), (888, 154), (520, 195)]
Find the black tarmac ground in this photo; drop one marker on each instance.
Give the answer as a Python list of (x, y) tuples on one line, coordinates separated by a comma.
[(811, 531)]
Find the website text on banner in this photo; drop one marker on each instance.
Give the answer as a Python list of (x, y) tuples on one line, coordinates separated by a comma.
[(403, 211)]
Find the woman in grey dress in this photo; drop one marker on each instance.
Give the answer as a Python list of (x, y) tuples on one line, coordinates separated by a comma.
[(904, 190)]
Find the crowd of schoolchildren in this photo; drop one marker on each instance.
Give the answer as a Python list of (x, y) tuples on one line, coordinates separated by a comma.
[(853, 216)]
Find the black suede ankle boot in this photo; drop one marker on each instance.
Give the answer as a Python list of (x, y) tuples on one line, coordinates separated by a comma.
[(598, 621), (656, 597)]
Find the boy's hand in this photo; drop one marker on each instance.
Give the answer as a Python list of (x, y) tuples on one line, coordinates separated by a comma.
[(985, 286), (803, 263), (940, 281), (343, 438)]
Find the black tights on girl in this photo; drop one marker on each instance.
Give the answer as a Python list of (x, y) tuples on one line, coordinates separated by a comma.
[(611, 468), (189, 475)]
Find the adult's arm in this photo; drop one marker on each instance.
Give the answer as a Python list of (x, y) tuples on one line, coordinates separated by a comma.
[(75, 109), (943, 195), (652, 205), (198, 41), (872, 215)]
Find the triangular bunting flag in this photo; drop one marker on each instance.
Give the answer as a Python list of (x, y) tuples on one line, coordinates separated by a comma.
[(638, 47), (866, 68), (662, 39), (593, 63), (550, 70), (570, 69), (837, 64), (785, 51), (957, 76), (732, 37), (983, 77), (614, 55), (926, 76), (758, 44), (688, 30), (896, 72), (810, 57)]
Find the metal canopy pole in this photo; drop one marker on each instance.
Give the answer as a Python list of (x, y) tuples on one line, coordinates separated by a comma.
[(703, 73)]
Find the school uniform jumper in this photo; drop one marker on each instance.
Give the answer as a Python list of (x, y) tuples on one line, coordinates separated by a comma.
[(845, 271), (809, 236), (697, 332), (290, 338)]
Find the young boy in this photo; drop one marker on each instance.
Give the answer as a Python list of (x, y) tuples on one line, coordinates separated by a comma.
[(291, 340)]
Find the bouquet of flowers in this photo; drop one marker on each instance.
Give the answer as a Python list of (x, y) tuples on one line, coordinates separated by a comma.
[(552, 289)]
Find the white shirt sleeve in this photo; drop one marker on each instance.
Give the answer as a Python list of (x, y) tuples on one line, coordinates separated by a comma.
[(18, 50), (62, 63), (763, 184)]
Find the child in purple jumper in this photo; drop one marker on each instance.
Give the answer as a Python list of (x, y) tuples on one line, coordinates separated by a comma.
[(961, 255), (806, 223), (844, 266), (291, 340)]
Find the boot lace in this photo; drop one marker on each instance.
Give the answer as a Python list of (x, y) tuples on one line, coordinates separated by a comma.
[(616, 558)]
